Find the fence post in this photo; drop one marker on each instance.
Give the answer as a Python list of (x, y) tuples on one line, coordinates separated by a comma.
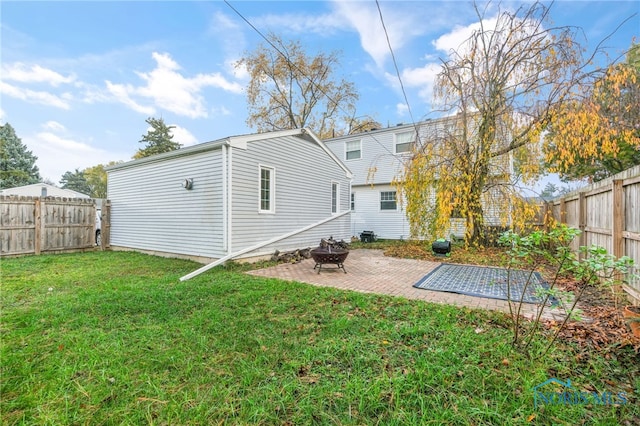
[(105, 231), (37, 237), (582, 220), (617, 223), (547, 216)]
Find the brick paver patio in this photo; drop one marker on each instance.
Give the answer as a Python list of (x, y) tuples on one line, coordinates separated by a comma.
[(369, 271)]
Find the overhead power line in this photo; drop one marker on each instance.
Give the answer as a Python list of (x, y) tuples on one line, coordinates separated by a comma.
[(395, 64), (300, 71)]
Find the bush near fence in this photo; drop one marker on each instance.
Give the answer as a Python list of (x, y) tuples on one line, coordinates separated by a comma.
[(608, 214)]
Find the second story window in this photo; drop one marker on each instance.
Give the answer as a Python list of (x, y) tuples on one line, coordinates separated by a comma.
[(405, 141), (352, 150)]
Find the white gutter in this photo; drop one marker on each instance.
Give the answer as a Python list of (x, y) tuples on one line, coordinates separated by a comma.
[(260, 245)]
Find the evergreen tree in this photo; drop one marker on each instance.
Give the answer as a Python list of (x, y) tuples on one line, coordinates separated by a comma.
[(158, 139), (17, 163), (75, 181)]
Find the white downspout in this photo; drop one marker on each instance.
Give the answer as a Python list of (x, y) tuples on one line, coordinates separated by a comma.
[(225, 213), (229, 224), (259, 245)]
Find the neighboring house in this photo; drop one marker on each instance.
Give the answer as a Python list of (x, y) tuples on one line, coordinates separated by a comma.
[(377, 157), (232, 195), (42, 190)]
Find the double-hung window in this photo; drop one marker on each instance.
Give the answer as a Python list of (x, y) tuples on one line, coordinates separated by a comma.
[(267, 189), (353, 150), (405, 141), (335, 197), (388, 200)]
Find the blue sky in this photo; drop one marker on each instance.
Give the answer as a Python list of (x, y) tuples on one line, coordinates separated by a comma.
[(79, 78)]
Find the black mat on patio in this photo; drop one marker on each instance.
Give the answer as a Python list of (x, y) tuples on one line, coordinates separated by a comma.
[(484, 281)]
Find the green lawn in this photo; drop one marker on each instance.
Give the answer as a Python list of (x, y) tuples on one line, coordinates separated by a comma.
[(115, 338)]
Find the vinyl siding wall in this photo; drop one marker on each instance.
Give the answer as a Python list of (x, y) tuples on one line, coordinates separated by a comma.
[(303, 176), (378, 162), (152, 211), (367, 215), (377, 167)]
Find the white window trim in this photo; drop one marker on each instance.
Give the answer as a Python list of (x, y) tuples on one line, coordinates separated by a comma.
[(337, 184), (272, 189), (395, 142), (352, 201), (380, 202), (345, 151)]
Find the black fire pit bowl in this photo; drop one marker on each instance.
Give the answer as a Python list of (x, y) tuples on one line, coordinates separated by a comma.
[(324, 256)]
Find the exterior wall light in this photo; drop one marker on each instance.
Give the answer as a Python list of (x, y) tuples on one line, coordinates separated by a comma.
[(187, 183)]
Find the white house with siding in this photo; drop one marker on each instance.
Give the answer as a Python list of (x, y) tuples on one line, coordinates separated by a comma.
[(241, 196), (378, 156)]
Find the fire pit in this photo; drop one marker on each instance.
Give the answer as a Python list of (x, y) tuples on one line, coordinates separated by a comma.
[(329, 255)]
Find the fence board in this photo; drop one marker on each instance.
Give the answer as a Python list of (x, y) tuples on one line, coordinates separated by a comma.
[(608, 213), (35, 225)]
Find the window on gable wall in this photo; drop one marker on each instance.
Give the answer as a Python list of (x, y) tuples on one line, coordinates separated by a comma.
[(405, 141), (267, 193), (388, 200), (353, 150), (353, 201), (335, 194)]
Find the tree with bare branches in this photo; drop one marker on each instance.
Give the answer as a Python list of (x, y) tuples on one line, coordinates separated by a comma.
[(290, 89)]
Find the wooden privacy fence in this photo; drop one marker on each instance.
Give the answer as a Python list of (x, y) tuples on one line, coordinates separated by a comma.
[(608, 214), (35, 225)]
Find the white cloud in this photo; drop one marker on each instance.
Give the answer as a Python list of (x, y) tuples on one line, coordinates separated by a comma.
[(455, 39), (35, 74), (402, 109), (183, 136), (220, 110), (365, 19), (121, 93), (227, 32), (63, 144), (48, 146), (168, 89), (302, 23), (422, 78), (403, 22), (54, 126), (36, 97)]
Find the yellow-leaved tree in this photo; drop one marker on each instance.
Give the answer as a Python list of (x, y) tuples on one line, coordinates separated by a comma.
[(499, 90), (96, 178), (289, 89), (597, 134)]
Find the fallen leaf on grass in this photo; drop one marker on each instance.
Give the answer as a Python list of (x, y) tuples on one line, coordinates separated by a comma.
[(145, 399)]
